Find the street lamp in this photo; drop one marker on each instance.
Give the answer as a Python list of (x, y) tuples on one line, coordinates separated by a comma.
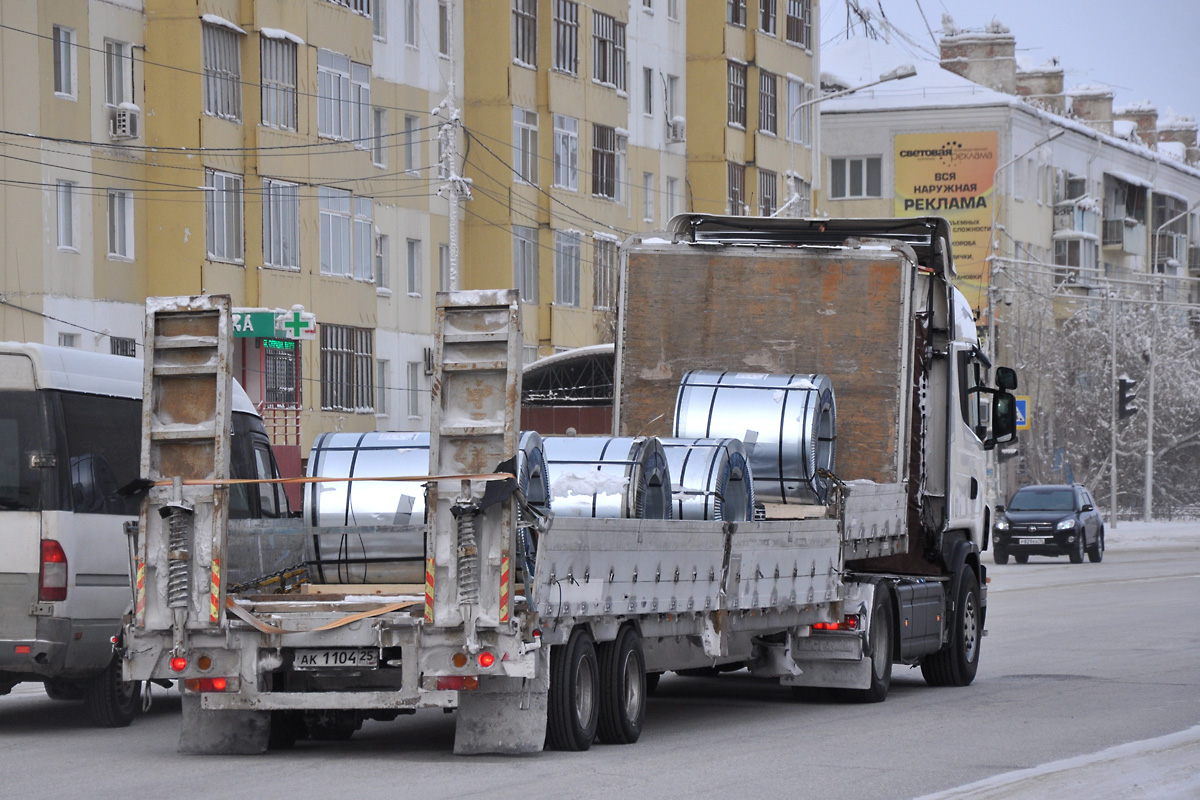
[(899, 73), (1148, 485)]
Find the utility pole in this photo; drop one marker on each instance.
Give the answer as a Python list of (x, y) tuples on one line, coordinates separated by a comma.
[(1112, 421), (456, 187)]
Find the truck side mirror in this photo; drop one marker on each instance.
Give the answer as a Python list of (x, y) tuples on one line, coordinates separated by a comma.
[(1006, 378), (1004, 418)]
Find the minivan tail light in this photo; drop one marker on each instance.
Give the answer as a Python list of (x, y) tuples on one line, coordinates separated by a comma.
[(52, 581)]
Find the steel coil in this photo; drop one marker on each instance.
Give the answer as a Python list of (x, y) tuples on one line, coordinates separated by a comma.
[(788, 422), (711, 479), (608, 477)]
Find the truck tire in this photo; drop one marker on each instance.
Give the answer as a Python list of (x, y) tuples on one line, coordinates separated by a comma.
[(879, 644), (574, 693), (1096, 551), (622, 688), (958, 660), (1076, 553), (1000, 555), (112, 702)]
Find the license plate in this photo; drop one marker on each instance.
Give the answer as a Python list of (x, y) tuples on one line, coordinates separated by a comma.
[(336, 659), (1031, 541)]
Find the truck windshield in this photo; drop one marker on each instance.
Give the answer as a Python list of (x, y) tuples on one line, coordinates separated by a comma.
[(22, 437), (1043, 500)]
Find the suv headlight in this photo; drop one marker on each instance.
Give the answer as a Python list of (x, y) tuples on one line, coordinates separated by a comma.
[(1065, 525), (1002, 525)]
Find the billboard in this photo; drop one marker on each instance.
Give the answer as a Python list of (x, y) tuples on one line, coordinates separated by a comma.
[(951, 175)]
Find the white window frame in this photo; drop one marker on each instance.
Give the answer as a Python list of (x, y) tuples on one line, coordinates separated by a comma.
[(379, 137), (648, 197), (363, 246), (67, 205), (379, 20), (604, 274), (566, 152), (224, 222), (347, 369), (412, 153), (736, 100), (118, 78), (411, 23), (412, 257), (381, 384), (444, 267), (525, 263), (281, 224), (222, 62), (335, 239), (279, 87), (673, 10), (413, 389), (647, 91), (672, 197), (120, 225), (333, 95), (566, 36), (360, 105), (383, 248), (525, 151), (799, 123), (852, 189), (444, 28), (66, 70), (768, 102), (567, 257)]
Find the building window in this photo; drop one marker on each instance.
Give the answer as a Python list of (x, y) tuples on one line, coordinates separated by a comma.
[(64, 62), (444, 28), (766, 16), (1073, 259), (799, 121), (768, 183), (122, 346), (281, 372), (525, 262), (566, 152), (608, 51), (412, 159), (379, 137), (413, 255), (279, 83), (737, 188), (120, 224), (737, 94), (525, 145), (767, 102), (223, 207), (855, 177), (566, 36), (281, 224), (68, 340), (647, 197), (673, 9), (566, 269), (414, 388), (382, 247), (604, 161), (334, 207), (65, 197), (379, 19), (364, 240), (799, 23), (411, 26), (343, 111), (525, 32), (647, 91), (736, 12), (444, 267), (222, 73), (118, 73), (381, 382), (347, 364), (672, 192), (801, 197), (604, 274)]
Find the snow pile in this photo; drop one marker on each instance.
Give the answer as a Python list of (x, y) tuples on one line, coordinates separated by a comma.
[(1142, 535), (1175, 150), (1171, 121)]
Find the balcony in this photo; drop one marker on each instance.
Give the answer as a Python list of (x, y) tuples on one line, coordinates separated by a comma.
[(1171, 247), (1070, 216), (1125, 234), (1193, 261)]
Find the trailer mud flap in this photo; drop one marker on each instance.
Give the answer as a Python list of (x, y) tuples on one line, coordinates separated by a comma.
[(504, 715)]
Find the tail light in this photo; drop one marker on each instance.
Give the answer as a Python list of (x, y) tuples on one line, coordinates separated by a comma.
[(212, 684), (52, 582), (848, 623)]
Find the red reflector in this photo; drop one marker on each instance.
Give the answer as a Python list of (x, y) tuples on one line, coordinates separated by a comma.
[(826, 626), (52, 582), (486, 659), (178, 663), (211, 684), (850, 622), (457, 683), (23, 649)]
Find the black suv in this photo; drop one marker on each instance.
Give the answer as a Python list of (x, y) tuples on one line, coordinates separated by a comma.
[(1049, 521)]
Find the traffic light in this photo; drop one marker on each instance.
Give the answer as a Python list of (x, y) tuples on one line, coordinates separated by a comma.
[(1126, 398)]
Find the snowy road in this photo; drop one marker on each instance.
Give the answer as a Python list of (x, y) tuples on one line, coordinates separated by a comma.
[(1079, 659)]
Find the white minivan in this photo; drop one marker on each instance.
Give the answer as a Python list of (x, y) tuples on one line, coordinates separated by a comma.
[(70, 437)]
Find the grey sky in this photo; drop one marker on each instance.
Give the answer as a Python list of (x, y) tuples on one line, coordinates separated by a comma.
[(1143, 51)]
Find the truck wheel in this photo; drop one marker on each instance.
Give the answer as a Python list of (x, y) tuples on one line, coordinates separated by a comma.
[(68, 691), (1096, 551), (1000, 556), (879, 644), (956, 663), (622, 688), (574, 692), (1077, 552), (112, 702)]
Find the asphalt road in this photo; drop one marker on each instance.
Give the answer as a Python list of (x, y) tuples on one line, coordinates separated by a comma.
[(1078, 658)]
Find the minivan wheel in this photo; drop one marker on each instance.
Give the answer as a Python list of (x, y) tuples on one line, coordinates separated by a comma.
[(111, 701), (1077, 551), (1096, 551)]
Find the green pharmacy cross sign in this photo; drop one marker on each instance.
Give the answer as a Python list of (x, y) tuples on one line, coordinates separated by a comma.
[(292, 324)]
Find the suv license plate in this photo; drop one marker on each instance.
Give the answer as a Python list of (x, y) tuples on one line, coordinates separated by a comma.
[(360, 658), (1031, 541)]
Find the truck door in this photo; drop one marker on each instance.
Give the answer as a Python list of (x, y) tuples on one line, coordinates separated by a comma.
[(967, 430)]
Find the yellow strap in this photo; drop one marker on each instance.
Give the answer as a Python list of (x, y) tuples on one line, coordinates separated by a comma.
[(254, 621)]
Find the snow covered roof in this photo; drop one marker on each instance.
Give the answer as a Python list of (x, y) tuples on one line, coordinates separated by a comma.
[(1175, 150), (213, 19), (1124, 128)]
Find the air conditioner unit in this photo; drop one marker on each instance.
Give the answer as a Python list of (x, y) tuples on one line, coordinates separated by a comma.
[(676, 130), (123, 124), (428, 360)]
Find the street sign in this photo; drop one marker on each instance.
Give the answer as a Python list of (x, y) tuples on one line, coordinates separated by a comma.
[(294, 323), (1022, 413), (253, 324)]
